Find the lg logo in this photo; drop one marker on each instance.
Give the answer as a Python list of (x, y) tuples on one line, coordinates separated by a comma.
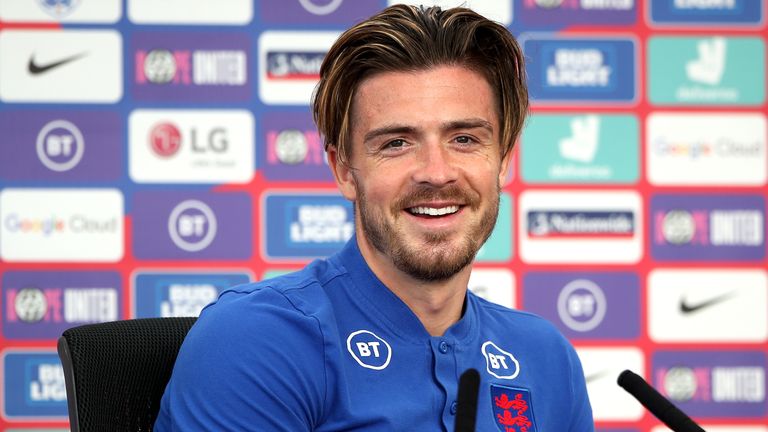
[(166, 139), (60, 145), (192, 225), (369, 350)]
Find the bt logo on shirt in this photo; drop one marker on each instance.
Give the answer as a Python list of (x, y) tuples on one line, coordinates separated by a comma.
[(500, 363), (369, 350)]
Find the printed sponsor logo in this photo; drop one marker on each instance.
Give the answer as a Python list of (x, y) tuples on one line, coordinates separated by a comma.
[(723, 306), (173, 225), (599, 70), (48, 66), (586, 305), (708, 228), (707, 149), (292, 149), (728, 384), (580, 226), (67, 11), (494, 285), (368, 350), (498, 247), (61, 146), (499, 11), (198, 12), (41, 305), (500, 363), (601, 367), (569, 12), (191, 67), (289, 65), (317, 11), (68, 225), (305, 226), (705, 12), (706, 71), (180, 294), (191, 146), (579, 149), (33, 387)]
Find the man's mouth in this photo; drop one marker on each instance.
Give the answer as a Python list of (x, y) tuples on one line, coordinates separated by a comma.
[(433, 211)]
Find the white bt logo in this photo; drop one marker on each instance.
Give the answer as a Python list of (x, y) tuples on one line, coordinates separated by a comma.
[(500, 363), (60, 145), (369, 350), (192, 225)]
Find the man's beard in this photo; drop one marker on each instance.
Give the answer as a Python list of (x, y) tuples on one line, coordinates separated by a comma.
[(435, 260)]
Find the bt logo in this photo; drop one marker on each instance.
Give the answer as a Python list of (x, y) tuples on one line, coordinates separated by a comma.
[(581, 305), (500, 363), (166, 139), (192, 225), (60, 145), (369, 350)]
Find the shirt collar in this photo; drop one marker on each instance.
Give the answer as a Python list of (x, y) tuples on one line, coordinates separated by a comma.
[(386, 306)]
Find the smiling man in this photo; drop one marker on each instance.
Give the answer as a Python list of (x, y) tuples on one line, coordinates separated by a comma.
[(419, 109)]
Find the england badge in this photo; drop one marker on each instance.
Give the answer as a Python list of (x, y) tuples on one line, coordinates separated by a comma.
[(512, 409)]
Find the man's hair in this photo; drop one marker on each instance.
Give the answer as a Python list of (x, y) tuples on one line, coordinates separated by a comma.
[(407, 38)]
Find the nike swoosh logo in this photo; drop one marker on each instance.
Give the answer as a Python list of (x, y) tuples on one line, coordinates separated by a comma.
[(686, 307), (36, 69)]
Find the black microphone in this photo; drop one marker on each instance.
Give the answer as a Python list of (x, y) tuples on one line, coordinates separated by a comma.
[(466, 411), (657, 404)]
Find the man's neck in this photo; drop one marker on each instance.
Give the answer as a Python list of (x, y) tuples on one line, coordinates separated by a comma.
[(438, 305)]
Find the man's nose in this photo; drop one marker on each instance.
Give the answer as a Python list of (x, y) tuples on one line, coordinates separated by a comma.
[(436, 165)]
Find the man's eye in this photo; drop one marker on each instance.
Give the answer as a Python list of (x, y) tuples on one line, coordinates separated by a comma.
[(463, 139), (397, 143)]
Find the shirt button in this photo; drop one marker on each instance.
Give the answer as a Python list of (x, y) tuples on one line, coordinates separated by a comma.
[(453, 407), (443, 347)]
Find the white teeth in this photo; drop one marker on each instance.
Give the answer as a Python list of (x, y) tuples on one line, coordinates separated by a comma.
[(434, 211)]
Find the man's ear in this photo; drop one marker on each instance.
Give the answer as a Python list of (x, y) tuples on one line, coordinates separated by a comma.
[(505, 164), (342, 173)]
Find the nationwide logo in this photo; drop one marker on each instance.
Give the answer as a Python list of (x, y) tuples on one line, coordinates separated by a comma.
[(170, 225), (41, 305), (70, 225), (706, 70), (586, 305), (34, 386), (713, 383), (293, 150), (580, 226), (573, 149), (709, 149), (191, 66), (43, 66), (708, 228), (705, 12), (302, 226), (289, 64), (191, 146), (601, 367), (709, 306), (179, 294), (52, 145), (581, 69)]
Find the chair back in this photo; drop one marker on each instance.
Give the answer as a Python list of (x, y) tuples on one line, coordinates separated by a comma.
[(116, 372)]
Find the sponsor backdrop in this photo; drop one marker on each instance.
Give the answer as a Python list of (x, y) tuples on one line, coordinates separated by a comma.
[(153, 154)]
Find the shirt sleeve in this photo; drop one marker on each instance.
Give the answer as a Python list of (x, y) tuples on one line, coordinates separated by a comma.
[(581, 410), (252, 361)]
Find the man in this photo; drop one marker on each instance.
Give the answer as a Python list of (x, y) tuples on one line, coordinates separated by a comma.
[(419, 109)]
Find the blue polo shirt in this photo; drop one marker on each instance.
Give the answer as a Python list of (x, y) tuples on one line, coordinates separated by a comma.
[(330, 348)]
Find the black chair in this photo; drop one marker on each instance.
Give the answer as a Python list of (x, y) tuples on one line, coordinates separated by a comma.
[(116, 372)]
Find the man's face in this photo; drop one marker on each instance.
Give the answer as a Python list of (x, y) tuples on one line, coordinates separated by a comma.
[(425, 169)]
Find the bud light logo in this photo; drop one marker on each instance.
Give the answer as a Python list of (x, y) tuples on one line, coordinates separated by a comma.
[(568, 70), (41, 305), (720, 227), (369, 350), (191, 67), (197, 226), (180, 294), (302, 226), (34, 385)]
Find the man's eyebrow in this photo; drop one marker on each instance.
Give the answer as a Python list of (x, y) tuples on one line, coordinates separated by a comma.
[(471, 123)]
